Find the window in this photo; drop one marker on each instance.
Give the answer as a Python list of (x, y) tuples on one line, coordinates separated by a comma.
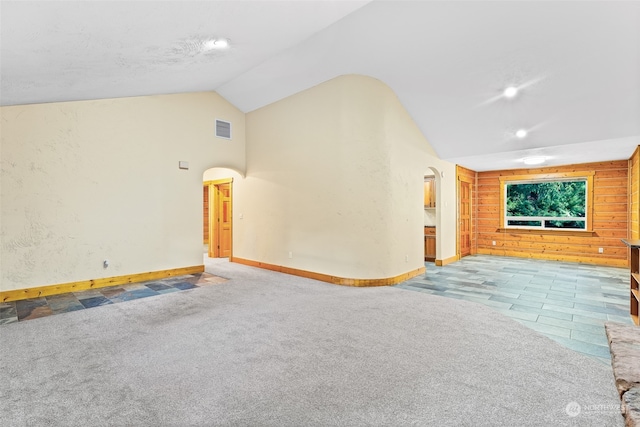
[(553, 201)]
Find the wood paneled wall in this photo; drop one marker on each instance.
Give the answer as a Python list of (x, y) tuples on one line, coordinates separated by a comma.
[(610, 219), (470, 176), (634, 195)]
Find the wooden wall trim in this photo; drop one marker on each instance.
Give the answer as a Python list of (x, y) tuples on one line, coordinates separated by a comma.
[(441, 262), (607, 262), (633, 216), (504, 179), (550, 231), (205, 214), (547, 176), (43, 291), (467, 175), (388, 281)]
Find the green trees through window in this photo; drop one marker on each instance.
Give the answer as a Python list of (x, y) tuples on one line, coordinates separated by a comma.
[(551, 204)]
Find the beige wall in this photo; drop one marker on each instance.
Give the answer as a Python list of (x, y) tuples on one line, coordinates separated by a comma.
[(221, 173), (86, 181), (446, 211), (335, 176)]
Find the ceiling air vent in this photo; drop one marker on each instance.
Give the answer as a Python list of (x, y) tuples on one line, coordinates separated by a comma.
[(223, 129)]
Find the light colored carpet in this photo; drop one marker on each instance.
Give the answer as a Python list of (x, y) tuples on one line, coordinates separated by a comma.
[(267, 349)]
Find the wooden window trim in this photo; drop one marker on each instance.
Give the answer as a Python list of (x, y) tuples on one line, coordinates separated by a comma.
[(568, 232), (588, 175)]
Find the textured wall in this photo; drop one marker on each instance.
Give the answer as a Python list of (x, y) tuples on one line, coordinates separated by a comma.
[(335, 176), (94, 180)]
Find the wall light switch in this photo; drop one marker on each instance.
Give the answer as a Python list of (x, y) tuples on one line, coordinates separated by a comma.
[(183, 165), (600, 250)]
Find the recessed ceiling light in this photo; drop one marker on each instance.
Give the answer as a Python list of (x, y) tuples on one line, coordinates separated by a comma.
[(221, 43), (533, 160), (521, 133), (510, 92), (215, 44)]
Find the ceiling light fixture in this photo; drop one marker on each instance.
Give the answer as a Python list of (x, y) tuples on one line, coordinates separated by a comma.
[(215, 44), (221, 43), (510, 92), (521, 133), (533, 160)]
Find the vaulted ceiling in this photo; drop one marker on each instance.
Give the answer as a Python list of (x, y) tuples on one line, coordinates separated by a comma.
[(576, 63)]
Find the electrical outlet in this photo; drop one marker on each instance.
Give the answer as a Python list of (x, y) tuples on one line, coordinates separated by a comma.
[(493, 243), (600, 250)]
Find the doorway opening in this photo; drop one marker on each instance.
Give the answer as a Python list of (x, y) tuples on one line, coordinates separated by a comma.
[(464, 225), (218, 217), (431, 214)]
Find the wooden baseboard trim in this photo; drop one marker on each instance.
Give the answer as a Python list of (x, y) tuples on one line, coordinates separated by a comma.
[(43, 291), (608, 262), (332, 279), (441, 262)]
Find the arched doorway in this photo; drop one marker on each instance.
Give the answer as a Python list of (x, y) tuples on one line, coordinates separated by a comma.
[(217, 210), (431, 213)]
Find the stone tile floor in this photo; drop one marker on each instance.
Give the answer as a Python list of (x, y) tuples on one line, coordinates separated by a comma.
[(17, 311), (567, 302)]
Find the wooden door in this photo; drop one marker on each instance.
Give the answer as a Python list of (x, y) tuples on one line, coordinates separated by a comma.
[(223, 220), (220, 219), (430, 253), (429, 243), (465, 218), (205, 215)]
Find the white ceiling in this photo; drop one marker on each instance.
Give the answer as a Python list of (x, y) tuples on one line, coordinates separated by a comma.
[(577, 63)]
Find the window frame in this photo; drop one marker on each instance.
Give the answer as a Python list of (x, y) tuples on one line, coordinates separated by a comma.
[(548, 177)]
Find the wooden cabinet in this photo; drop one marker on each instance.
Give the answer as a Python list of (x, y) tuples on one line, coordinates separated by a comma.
[(634, 279), (429, 192), (429, 243)]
